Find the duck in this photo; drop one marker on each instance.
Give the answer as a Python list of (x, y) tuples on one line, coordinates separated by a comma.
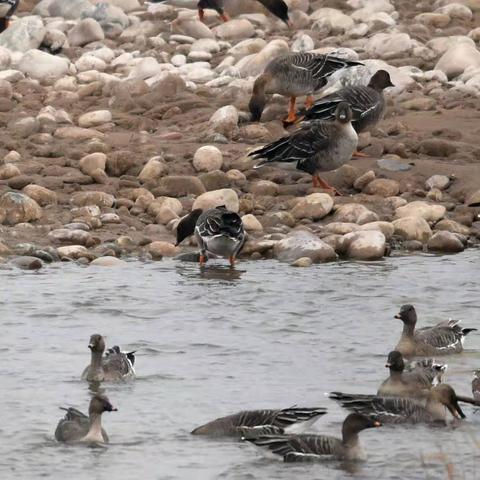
[(431, 409), (409, 384), (75, 426), (318, 146), (115, 366), (367, 103), (218, 231), (7, 9), (476, 385), (308, 447), (293, 419), (445, 338), (294, 75), (278, 7)]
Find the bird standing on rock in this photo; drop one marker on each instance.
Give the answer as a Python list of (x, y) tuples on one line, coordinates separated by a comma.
[(219, 232), (316, 147), (294, 75), (7, 9)]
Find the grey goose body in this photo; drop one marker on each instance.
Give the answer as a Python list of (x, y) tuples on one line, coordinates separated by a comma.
[(293, 75), (75, 426), (114, 366), (445, 338), (309, 447), (257, 422), (367, 103), (476, 385), (318, 146)]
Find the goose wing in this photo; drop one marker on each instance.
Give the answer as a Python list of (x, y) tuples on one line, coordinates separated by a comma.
[(73, 426), (441, 336), (476, 386), (118, 362), (220, 221)]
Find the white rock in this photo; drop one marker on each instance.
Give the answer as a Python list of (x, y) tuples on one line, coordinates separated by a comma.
[(216, 198), (73, 9), (234, 29), (427, 211), (457, 58), (24, 34), (225, 120), (146, 68), (251, 223), (86, 31), (92, 162), (92, 119), (339, 22), (456, 10), (389, 45), (191, 27), (178, 60), (43, 66), (301, 243), (107, 261), (88, 62), (207, 159), (256, 64), (437, 181), (303, 43), (364, 245), (412, 228), (205, 45), (247, 47), (315, 206), (153, 169)]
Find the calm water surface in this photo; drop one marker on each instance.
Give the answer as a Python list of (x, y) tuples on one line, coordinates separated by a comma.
[(212, 343)]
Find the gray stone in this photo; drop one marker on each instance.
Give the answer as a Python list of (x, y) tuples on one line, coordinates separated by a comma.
[(23, 35), (444, 241), (393, 165), (73, 9), (108, 16), (301, 244), (86, 31)]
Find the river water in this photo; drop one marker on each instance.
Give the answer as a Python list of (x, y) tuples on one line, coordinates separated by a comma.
[(210, 343)]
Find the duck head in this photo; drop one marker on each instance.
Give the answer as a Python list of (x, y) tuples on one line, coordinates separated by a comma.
[(343, 113), (356, 422), (100, 404), (395, 362), (258, 100), (97, 343), (186, 226), (446, 395), (407, 315), (380, 80)]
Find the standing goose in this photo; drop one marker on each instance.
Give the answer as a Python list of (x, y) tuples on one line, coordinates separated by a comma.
[(476, 385), (294, 75), (317, 147), (367, 103), (295, 448), (407, 410), (444, 338), (409, 384), (218, 231), (77, 427), (255, 422), (278, 7), (116, 365), (7, 9)]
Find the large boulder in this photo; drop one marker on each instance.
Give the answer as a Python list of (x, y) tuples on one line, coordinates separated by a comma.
[(18, 208), (364, 245), (301, 243), (23, 35), (43, 66), (315, 206), (444, 241), (428, 211), (216, 198), (412, 228), (457, 58)]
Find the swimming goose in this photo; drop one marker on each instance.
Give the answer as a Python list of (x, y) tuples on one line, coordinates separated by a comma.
[(367, 102), (77, 427), (442, 339), (294, 75), (218, 231), (407, 410), (317, 147), (409, 384), (116, 365), (278, 7), (7, 9), (295, 448), (476, 385), (257, 422)]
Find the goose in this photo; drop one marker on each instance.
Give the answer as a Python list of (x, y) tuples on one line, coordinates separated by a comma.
[(75, 426), (218, 231), (116, 365), (317, 147), (407, 410), (409, 384), (256, 422), (445, 338), (278, 7), (295, 448), (367, 103), (294, 75), (476, 385), (7, 9)]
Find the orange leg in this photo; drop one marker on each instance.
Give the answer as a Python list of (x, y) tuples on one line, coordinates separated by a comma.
[(292, 116), (202, 260), (356, 153), (309, 101), (232, 260), (224, 17), (319, 182), (201, 15)]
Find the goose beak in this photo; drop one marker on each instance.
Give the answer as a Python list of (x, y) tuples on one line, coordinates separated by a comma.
[(90, 346), (388, 365), (397, 316), (376, 423)]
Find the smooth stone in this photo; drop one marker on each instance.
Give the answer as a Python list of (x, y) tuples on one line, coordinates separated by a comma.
[(216, 198), (251, 223), (444, 241), (93, 119), (427, 211), (161, 249), (73, 252), (107, 261), (364, 245), (302, 262), (457, 58), (43, 196), (23, 35), (412, 228), (264, 188), (18, 208), (74, 237), (92, 162), (385, 227), (234, 29), (180, 186), (27, 263), (299, 244), (207, 159), (393, 165), (155, 206), (452, 226), (363, 180), (383, 187), (441, 182), (389, 45), (315, 206), (43, 66), (9, 171), (473, 200), (100, 199), (78, 133), (354, 213), (154, 169), (86, 31), (225, 121)]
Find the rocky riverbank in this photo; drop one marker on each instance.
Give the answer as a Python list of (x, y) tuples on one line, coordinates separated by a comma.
[(118, 119)]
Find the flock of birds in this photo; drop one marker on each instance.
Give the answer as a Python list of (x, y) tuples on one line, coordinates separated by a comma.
[(412, 394)]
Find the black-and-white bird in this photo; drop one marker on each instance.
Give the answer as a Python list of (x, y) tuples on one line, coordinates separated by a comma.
[(445, 338), (318, 146), (75, 426), (218, 231), (307, 447), (294, 75), (114, 366), (7, 9), (261, 422)]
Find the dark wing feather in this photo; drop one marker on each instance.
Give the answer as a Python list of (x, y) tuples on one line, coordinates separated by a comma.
[(116, 361), (278, 7), (217, 5)]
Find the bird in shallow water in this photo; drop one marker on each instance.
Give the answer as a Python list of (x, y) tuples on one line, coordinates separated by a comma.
[(445, 338), (75, 426), (476, 385), (115, 365), (7, 9), (308, 447), (432, 409), (294, 75), (218, 231), (409, 384), (367, 103), (316, 147), (278, 7), (257, 422)]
